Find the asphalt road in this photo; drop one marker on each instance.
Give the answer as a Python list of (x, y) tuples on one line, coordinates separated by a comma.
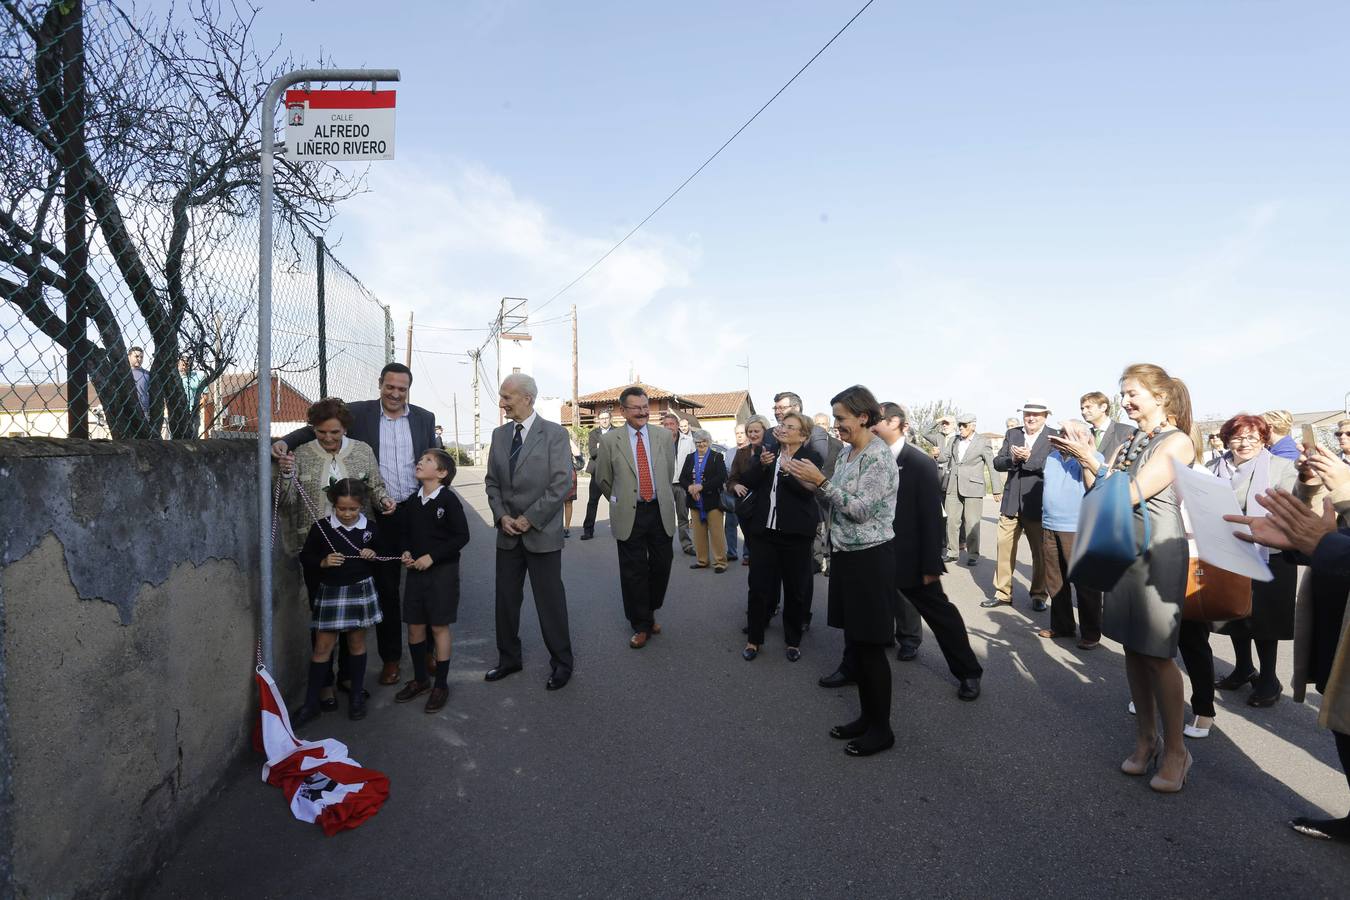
[(681, 770)]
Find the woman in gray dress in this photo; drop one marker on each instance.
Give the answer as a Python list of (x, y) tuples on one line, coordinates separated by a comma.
[(1143, 611)]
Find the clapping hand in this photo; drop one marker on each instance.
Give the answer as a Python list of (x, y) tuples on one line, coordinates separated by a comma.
[(766, 457), (1288, 524), (804, 471)]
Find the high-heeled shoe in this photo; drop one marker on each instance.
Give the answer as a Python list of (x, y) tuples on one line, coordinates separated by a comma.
[(1166, 785), (1130, 767), (864, 747), (855, 729)]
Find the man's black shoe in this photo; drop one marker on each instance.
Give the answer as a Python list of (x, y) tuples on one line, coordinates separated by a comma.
[(835, 679), (500, 672), (906, 653), (587, 534), (969, 689)]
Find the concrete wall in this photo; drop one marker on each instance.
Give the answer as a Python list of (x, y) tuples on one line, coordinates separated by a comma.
[(128, 602)]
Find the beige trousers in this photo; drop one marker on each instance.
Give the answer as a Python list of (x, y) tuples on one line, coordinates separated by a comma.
[(712, 532), (1010, 530)]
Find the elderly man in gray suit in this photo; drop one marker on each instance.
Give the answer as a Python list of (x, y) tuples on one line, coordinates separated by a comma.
[(964, 460), (633, 471), (529, 474)]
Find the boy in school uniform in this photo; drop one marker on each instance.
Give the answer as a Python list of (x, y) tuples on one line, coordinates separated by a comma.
[(434, 530)]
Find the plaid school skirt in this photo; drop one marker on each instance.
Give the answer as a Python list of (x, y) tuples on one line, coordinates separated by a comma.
[(343, 607)]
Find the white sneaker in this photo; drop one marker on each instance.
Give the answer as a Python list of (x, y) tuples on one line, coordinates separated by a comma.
[(1131, 707)]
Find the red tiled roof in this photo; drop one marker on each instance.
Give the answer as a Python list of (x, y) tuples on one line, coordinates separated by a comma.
[(37, 397), (721, 405), (611, 395)]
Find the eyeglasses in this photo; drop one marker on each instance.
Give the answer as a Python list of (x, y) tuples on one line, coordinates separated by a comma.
[(638, 409), (1253, 439)]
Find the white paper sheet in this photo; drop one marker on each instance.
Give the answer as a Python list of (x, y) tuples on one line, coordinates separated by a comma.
[(1208, 499)]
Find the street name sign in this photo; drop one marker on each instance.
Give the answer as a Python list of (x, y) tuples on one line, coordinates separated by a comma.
[(339, 125)]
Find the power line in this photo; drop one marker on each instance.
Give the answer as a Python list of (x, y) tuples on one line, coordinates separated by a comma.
[(706, 162)]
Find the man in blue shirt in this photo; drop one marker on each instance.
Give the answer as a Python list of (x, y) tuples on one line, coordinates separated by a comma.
[(1062, 496)]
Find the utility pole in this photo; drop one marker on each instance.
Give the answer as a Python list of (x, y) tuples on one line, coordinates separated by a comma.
[(576, 408), (474, 360), (746, 367), (407, 360), (454, 398)]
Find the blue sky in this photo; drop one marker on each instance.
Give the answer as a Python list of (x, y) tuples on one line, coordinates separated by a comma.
[(976, 201)]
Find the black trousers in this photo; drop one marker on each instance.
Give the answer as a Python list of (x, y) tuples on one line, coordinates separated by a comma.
[(944, 619), (872, 672), (592, 504), (780, 562), (550, 602), (644, 566), (1343, 751), (1193, 642), (389, 632), (1058, 549)]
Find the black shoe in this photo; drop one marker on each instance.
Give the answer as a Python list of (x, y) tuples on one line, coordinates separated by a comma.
[(500, 672), (304, 715), (1039, 605), (567, 532), (864, 746), (1337, 830), (835, 679), (749, 653), (689, 551), (556, 682), (699, 566), (972, 561), (356, 708), (328, 704), (1234, 680), (587, 534), (969, 689), (732, 557), (855, 729), (992, 603), (906, 653), (793, 654), (1263, 697)]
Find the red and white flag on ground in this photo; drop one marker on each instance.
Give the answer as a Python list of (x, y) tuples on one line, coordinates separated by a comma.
[(321, 782)]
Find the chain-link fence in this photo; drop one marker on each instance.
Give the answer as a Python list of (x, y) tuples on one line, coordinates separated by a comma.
[(129, 233)]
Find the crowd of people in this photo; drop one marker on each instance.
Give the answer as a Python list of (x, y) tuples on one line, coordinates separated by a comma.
[(378, 531)]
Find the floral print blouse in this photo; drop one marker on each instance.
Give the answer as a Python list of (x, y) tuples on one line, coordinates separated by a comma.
[(861, 497)]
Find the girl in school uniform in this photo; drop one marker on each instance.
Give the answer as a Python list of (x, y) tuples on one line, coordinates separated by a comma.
[(341, 548)]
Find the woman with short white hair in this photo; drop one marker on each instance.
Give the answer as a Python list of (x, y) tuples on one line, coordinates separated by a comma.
[(702, 478)]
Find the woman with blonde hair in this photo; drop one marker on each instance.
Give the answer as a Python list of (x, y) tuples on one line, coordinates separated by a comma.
[(1143, 610)]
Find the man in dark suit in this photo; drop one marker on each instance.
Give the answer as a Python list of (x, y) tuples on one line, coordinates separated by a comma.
[(399, 433), (1108, 435), (918, 561), (1022, 456), (529, 474), (602, 428), (962, 464), (633, 471)]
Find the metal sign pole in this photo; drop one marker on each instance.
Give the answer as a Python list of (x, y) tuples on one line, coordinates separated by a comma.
[(264, 373)]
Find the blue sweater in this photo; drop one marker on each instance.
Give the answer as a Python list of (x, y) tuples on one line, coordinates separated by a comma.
[(1062, 493)]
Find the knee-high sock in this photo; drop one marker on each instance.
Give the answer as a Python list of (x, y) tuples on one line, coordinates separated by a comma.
[(418, 652), (356, 671)]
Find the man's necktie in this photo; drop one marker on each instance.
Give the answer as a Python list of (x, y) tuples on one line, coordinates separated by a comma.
[(1097, 435), (645, 490), (515, 446)]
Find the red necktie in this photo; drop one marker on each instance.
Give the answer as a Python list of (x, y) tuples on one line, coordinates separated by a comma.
[(644, 472)]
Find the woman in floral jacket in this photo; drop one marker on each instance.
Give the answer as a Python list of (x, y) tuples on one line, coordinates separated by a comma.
[(860, 496)]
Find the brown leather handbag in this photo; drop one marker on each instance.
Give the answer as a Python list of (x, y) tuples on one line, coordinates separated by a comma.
[(1216, 595)]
